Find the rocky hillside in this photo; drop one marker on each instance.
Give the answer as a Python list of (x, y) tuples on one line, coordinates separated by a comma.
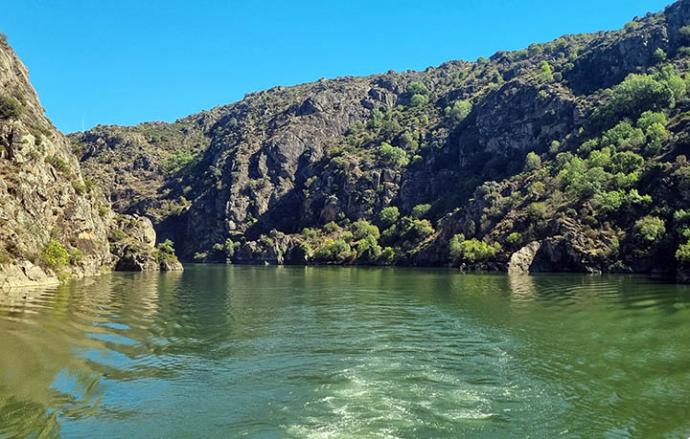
[(569, 155), (54, 223)]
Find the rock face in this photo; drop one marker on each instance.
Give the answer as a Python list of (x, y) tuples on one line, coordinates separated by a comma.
[(133, 244), (264, 180), (54, 223), (521, 261), (43, 195)]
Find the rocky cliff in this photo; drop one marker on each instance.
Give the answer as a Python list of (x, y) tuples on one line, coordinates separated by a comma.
[(577, 145), (54, 223)]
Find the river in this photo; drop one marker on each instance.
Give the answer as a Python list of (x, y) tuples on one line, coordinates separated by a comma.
[(331, 352)]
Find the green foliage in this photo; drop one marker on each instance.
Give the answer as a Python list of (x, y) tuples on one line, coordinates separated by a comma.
[(650, 228), (419, 100), (459, 111), (363, 229), (229, 248), (389, 215), (178, 161), (79, 187), (417, 88), (10, 108), (455, 246), (200, 256), (392, 155), (166, 251), (650, 118), (624, 136), (545, 71), (420, 210), (387, 256), (683, 253), (331, 227), (514, 238), (532, 161), (333, 251), (660, 55), (59, 164), (266, 240), (639, 93), (54, 255), (473, 250)]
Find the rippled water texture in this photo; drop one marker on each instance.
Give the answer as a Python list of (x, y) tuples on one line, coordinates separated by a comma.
[(346, 352)]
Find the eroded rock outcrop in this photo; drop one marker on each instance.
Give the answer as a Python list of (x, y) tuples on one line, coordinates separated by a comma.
[(54, 223)]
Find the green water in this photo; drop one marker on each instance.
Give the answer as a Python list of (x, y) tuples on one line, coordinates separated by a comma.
[(346, 352)]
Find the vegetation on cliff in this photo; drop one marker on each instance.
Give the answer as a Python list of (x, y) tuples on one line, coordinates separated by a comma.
[(578, 144)]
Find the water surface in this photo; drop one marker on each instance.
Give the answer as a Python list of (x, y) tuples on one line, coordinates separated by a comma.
[(320, 352)]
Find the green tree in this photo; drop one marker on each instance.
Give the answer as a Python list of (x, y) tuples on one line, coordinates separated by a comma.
[(417, 88), (362, 229), (393, 155), (650, 228), (10, 108), (545, 71), (54, 255), (683, 253), (459, 111), (514, 238), (419, 100), (389, 215), (532, 161), (420, 210), (472, 250)]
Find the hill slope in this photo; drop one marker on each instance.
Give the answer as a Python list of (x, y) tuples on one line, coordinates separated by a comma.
[(553, 156), (53, 222)]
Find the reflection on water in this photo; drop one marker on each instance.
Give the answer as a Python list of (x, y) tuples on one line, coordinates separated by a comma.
[(345, 352)]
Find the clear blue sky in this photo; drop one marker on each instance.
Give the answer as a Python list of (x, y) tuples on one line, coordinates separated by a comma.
[(130, 61)]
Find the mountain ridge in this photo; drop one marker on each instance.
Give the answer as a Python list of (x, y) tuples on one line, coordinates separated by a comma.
[(291, 174)]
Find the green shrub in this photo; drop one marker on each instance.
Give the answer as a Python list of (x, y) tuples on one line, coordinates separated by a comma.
[(166, 251), (422, 228), (683, 254), (660, 55), (363, 229), (639, 93), (389, 215), (333, 251), (331, 227), (532, 161), (200, 256), (10, 108), (54, 255), (419, 100), (387, 256), (79, 187), (650, 228), (421, 210), (472, 250), (417, 88), (545, 71), (229, 248), (178, 161), (393, 155), (368, 249), (455, 246), (514, 238), (59, 164), (459, 111)]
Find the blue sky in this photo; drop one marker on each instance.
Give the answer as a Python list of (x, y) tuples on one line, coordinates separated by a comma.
[(129, 61)]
